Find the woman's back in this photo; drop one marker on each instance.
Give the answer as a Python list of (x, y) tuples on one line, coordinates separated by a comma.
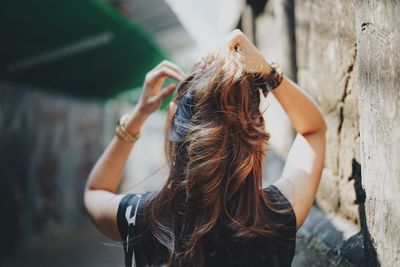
[(219, 248)]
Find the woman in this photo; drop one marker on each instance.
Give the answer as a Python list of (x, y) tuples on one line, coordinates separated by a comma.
[(212, 211)]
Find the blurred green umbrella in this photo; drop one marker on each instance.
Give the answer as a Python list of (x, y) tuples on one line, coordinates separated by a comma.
[(83, 48)]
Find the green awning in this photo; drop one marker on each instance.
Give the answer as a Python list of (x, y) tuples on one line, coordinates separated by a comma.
[(80, 47)]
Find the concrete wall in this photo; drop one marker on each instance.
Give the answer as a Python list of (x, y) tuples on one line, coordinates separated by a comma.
[(48, 145), (327, 56), (349, 61), (378, 34)]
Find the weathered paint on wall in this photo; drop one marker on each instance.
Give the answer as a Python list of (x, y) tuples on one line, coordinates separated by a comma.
[(378, 34), (48, 146)]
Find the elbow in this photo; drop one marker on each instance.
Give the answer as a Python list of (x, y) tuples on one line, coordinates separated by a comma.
[(90, 198), (321, 126), (89, 187), (86, 198), (315, 128), (324, 126)]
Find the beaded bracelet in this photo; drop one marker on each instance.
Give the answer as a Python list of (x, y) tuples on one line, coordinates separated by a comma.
[(274, 79), (123, 133)]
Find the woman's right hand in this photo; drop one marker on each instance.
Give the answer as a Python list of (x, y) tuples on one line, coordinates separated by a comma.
[(153, 92), (253, 60)]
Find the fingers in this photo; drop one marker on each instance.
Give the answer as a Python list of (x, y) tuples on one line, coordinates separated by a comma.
[(235, 38), (172, 110), (233, 42), (161, 73), (173, 107), (167, 72), (165, 92), (169, 64)]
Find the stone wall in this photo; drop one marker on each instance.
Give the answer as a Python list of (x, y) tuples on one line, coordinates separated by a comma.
[(349, 61), (327, 70), (378, 34)]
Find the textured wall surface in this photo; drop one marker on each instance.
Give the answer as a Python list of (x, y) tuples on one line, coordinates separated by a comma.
[(378, 30), (327, 70), (349, 61), (48, 146)]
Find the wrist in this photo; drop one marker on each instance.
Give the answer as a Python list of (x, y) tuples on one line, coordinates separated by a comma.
[(123, 132), (141, 110), (271, 78), (266, 71), (136, 120)]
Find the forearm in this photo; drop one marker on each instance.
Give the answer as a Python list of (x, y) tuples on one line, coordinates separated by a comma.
[(100, 200), (304, 114), (107, 172)]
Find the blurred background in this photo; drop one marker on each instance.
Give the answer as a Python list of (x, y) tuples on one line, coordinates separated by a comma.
[(69, 69)]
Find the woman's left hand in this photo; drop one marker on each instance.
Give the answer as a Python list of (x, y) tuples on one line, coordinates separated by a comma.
[(153, 92), (253, 60)]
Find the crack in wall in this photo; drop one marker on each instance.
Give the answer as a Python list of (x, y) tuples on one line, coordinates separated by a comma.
[(348, 74)]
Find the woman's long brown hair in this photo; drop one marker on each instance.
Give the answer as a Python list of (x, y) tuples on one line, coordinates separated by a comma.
[(215, 146)]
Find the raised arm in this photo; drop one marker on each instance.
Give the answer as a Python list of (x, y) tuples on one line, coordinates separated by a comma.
[(100, 198), (302, 171)]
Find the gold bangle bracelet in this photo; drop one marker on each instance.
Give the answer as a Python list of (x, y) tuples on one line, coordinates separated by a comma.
[(123, 133)]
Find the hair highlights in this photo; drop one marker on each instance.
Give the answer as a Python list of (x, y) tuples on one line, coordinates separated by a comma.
[(215, 146)]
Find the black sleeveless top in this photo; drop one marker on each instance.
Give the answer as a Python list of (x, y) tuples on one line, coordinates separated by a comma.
[(271, 251)]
